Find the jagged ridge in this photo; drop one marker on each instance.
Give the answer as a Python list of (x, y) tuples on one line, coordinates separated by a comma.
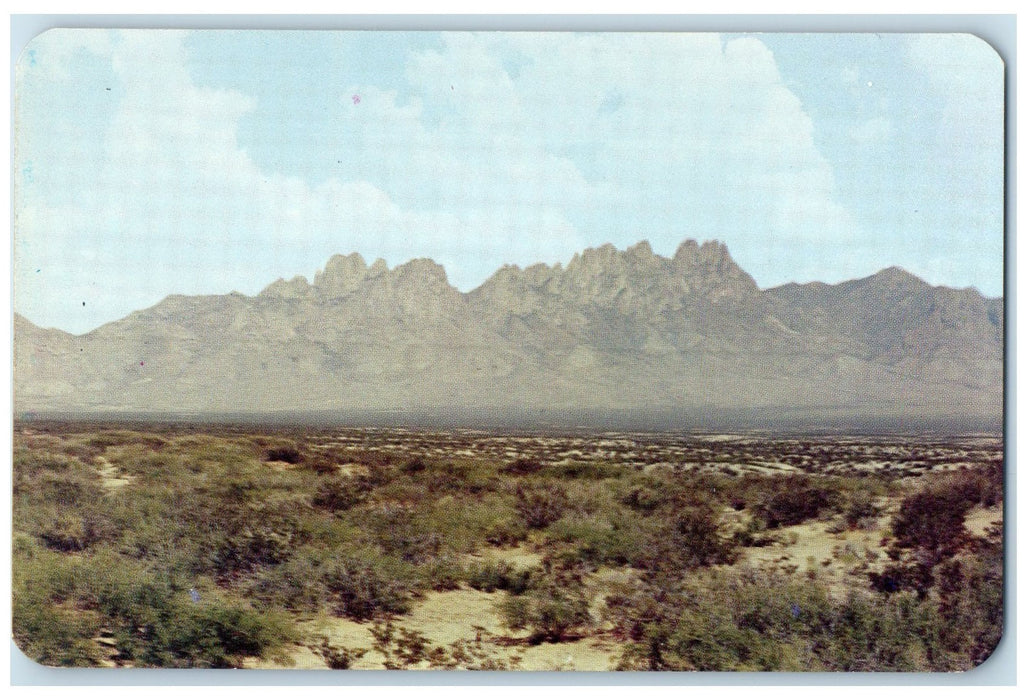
[(610, 330)]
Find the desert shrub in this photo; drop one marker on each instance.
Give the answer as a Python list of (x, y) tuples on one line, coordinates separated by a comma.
[(66, 509), (28, 464), (932, 519), (750, 620), (242, 538), (364, 585), (46, 625), (463, 523), (596, 540), (753, 534), (903, 576), (338, 658), (68, 489), (681, 538), (322, 465), (148, 464), (932, 549), (860, 509), (399, 530), (377, 475), (358, 584), (581, 470), (507, 532), (414, 466), (522, 466), (992, 484), (60, 603), (496, 575), (540, 506), (899, 633), (470, 477), (337, 493), (402, 647), (74, 532), (696, 534), (283, 453), (53, 636), (644, 498), (553, 608), (212, 635), (110, 438), (792, 500), (970, 595)]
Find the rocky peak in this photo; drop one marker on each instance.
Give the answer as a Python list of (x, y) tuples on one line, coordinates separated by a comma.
[(709, 270), (711, 255), (342, 275), (896, 277), (296, 288), (608, 262), (422, 271), (686, 252), (377, 269), (641, 251)]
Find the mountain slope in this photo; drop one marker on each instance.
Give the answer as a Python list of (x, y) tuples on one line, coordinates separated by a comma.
[(613, 330)]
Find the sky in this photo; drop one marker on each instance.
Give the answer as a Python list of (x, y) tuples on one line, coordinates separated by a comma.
[(150, 163)]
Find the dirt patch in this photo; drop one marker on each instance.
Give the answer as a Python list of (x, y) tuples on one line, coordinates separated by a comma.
[(980, 520), (109, 477), (447, 618), (589, 654), (836, 557)]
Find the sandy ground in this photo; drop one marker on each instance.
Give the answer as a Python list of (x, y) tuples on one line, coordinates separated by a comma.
[(835, 557), (979, 520), (470, 616), (462, 615), (109, 478)]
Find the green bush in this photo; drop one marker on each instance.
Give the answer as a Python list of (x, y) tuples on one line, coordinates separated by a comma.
[(552, 609), (596, 540), (932, 519), (60, 604), (541, 506), (54, 636), (582, 470), (522, 466), (337, 493), (208, 635), (491, 575), (283, 453), (365, 585), (793, 500)]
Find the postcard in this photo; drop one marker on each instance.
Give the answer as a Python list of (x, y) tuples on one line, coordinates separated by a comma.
[(499, 350)]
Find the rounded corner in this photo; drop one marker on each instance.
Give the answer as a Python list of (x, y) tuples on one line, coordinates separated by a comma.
[(990, 663), (19, 63), (16, 648), (988, 45)]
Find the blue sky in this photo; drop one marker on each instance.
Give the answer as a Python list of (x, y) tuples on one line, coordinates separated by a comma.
[(156, 162)]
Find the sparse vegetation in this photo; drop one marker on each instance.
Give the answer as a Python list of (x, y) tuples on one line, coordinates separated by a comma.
[(184, 547)]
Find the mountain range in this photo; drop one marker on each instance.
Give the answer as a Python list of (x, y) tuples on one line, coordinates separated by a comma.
[(612, 330)]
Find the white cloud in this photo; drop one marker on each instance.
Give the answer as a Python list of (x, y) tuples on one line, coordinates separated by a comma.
[(476, 167)]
